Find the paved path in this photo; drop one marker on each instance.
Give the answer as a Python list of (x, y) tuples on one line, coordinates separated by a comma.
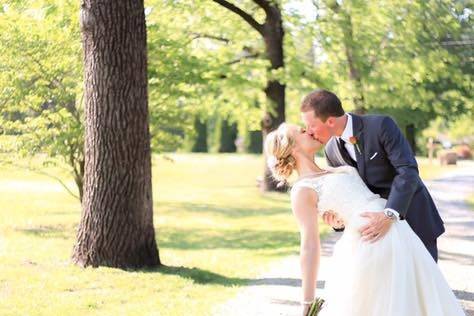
[(278, 292)]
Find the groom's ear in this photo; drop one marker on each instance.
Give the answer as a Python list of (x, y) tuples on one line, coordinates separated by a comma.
[(331, 121)]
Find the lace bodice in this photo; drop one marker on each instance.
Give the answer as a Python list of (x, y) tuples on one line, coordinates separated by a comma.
[(342, 191)]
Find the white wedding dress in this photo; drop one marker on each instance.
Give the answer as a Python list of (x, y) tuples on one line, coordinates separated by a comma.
[(395, 276)]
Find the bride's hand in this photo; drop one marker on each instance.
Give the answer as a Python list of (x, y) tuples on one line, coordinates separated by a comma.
[(331, 219)]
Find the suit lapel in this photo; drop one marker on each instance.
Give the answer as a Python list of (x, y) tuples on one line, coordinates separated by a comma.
[(358, 128)]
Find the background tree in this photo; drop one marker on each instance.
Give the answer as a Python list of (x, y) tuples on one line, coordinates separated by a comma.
[(41, 92), (41, 88), (178, 86), (390, 57), (272, 33), (214, 67), (228, 135), (116, 227), (200, 141)]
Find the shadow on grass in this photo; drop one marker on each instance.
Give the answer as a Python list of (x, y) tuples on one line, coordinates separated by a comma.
[(201, 276), (46, 231), (227, 211), (226, 239)]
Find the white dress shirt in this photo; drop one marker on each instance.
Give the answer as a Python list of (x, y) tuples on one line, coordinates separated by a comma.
[(346, 135)]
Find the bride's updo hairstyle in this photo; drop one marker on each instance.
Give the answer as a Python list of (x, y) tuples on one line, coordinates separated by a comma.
[(278, 147)]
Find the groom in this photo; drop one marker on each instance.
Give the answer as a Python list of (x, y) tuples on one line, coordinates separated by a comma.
[(376, 147)]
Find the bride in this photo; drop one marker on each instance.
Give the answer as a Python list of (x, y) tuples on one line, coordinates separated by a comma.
[(395, 276)]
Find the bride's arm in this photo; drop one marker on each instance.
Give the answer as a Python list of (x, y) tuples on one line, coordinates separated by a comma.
[(303, 202)]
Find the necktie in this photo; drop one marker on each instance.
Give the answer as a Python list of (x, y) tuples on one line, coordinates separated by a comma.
[(345, 154)]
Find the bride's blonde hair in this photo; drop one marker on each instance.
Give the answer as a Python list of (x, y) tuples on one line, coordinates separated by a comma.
[(278, 148)]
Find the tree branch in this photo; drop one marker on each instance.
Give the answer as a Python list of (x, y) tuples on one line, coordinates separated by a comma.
[(244, 15), (265, 5), (41, 173), (235, 61), (209, 36)]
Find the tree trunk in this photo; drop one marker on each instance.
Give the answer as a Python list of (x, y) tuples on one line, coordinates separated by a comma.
[(227, 137), (272, 32), (77, 164), (274, 91), (255, 142), (116, 227), (200, 143)]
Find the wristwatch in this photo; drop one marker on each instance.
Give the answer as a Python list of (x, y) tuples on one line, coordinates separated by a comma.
[(390, 214)]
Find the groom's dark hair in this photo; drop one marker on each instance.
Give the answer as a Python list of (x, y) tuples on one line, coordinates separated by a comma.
[(324, 104)]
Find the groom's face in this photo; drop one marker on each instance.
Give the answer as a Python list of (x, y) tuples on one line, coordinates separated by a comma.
[(319, 130)]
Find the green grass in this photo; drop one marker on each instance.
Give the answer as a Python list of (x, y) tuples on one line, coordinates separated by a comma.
[(214, 229)]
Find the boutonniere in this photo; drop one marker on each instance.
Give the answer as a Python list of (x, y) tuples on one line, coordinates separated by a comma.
[(355, 141)]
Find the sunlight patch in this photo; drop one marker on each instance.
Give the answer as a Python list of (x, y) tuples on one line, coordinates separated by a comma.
[(37, 186), (3, 246)]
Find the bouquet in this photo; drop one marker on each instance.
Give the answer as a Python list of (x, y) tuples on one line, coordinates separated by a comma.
[(315, 307)]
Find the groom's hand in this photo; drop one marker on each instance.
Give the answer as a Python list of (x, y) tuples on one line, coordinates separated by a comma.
[(377, 227)]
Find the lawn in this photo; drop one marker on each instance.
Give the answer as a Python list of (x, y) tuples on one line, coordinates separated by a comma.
[(214, 229)]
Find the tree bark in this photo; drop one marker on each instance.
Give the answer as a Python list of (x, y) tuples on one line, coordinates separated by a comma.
[(116, 227), (273, 34)]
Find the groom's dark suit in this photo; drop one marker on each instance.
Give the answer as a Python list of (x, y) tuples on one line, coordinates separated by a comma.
[(387, 165)]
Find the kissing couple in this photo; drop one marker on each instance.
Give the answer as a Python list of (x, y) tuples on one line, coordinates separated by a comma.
[(385, 262)]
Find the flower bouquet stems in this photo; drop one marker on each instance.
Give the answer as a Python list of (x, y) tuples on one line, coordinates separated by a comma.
[(315, 307)]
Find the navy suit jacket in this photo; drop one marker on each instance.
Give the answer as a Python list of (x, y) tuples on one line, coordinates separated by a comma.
[(387, 165)]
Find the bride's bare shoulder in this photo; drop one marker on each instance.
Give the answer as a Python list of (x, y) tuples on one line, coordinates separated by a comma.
[(303, 195), (304, 189)]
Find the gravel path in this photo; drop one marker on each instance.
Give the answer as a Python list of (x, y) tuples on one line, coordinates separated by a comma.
[(278, 292), (456, 246)]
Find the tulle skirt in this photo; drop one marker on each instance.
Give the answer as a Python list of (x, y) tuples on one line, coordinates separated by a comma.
[(395, 276)]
